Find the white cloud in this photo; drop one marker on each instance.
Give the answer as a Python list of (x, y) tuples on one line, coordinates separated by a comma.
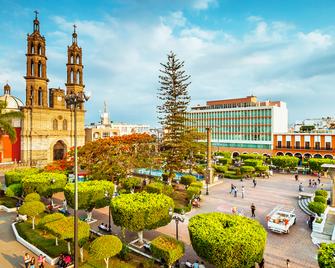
[(203, 4), (316, 39), (175, 19)]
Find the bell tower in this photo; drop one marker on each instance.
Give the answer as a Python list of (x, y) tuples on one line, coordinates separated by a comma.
[(74, 66), (36, 75)]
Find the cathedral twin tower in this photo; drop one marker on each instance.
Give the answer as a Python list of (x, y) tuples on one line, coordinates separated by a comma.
[(47, 128)]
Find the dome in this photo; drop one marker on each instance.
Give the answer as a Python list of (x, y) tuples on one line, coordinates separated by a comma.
[(13, 103)]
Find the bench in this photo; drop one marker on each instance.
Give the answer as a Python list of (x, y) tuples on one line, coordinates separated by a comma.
[(305, 195)]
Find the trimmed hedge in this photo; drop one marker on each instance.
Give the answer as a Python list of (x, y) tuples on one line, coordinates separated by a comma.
[(16, 175), (253, 162), (220, 169), (179, 210), (131, 182), (197, 184), (50, 218), (262, 168), (141, 211), (192, 190), (233, 176), (167, 248), (227, 240), (44, 183), (32, 197), (316, 163), (326, 255), (14, 190), (247, 169), (323, 193), (224, 154), (285, 161), (159, 188), (252, 156), (321, 199), (105, 247), (225, 161), (317, 207), (187, 179)]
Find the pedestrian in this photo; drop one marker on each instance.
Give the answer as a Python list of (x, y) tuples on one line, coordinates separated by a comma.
[(301, 188), (261, 264), (254, 182), (242, 191), (310, 183), (288, 263), (188, 264), (322, 186), (319, 177), (64, 205), (231, 188), (202, 265), (43, 261), (296, 177), (32, 262), (196, 264), (253, 208), (26, 259), (40, 261), (235, 191)]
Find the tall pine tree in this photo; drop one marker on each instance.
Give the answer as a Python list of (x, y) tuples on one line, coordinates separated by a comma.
[(173, 93)]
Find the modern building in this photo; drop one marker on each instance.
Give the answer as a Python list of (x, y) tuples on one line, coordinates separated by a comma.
[(47, 128), (106, 128), (243, 125), (317, 125), (306, 145)]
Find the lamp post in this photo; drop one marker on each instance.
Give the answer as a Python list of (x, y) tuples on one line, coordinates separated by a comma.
[(108, 198), (74, 101), (207, 181), (177, 218)]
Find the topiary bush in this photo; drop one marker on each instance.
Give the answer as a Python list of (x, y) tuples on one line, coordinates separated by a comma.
[(16, 175), (220, 169), (50, 218), (198, 184), (317, 207), (316, 163), (187, 179), (253, 162), (252, 156), (285, 161), (326, 255), (247, 169), (225, 161), (44, 183), (233, 176), (192, 191), (167, 248), (14, 190), (159, 188), (32, 197), (32, 209), (262, 168), (227, 240), (323, 193), (321, 199), (131, 182)]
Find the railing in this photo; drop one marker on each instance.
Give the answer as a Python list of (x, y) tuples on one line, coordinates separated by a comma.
[(305, 148)]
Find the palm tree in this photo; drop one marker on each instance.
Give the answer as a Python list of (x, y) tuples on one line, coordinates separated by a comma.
[(6, 121)]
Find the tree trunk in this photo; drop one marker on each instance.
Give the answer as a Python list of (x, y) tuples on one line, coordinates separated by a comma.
[(33, 223), (81, 250), (68, 248), (106, 261), (140, 237), (56, 241)]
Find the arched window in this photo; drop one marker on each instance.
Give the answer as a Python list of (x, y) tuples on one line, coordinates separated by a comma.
[(32, 71), (64, 124), (31, 95), (39, 49), (39, 69), (72, 59), (71, 76), (55, 124), (40, 97), (78, 77), (78, 60), (31, 48)]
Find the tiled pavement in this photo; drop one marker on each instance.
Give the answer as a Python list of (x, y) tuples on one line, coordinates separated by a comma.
[(278, 190)]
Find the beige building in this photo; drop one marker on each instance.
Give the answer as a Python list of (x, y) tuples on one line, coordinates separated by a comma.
[(47, 128)]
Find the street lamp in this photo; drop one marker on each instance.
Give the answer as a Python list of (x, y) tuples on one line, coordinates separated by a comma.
[(207, 181), (108, 198), (74, 101), (177, 218)]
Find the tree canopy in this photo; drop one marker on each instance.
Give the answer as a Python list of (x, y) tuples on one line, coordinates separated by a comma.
[(6, 118)]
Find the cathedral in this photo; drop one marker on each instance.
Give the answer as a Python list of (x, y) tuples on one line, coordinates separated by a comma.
[(46, 131)]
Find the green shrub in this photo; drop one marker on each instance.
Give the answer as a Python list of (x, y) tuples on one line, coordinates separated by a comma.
[(32, 197), (167, 248), (225, 161), (131, 182), (321, 199), (192, 190), (50, 218), (124, 253), (262, 168), (317, 207), (252, 156), (224, 154), (187, 179), (323, 193), (179, 210), (326, 255), (285, 161), (14, 190), (233, 176), (199, 169), (227, 240), (44, 183), (159, 188), (32, 209), (16, 175), (230, 172), (220, 169), (197, 184), (247, 169), (252, 162), (105, 247), (316, 163), (141, 211)]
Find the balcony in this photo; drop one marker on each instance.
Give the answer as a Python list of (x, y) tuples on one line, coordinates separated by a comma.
[(304, 148)]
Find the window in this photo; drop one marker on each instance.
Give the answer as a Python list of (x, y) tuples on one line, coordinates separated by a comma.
[(39, 69), (317, 145), (279, 144), (64, 124), (328, 146), (78, 77), (288, 144), (78, 60), (39, 49), (297, 144), (32, 71), (40, 97), (105, 134), (307, 145), (55, 124)]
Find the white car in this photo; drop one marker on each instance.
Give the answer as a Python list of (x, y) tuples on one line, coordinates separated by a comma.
[(280, 220)]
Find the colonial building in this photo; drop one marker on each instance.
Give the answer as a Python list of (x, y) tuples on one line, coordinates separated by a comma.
[(243, 125), (47, 128)]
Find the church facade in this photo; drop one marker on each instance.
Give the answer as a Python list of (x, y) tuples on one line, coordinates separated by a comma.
[(47, 130)]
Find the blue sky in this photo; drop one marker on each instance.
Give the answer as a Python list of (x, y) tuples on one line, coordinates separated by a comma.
[(277, 50)]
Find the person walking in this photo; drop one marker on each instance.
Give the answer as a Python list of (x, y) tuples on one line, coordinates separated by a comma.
[(319, 178), (26, 259), (202, 265), (231, 188), (254, 182), (242, 191), (235, 191), (32, 262), (296, 177), (196, 264), (40, 261), (253, 209), (288, 263), (310, 183)]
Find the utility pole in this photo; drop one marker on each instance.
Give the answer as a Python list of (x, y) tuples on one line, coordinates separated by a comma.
[(209, 173)]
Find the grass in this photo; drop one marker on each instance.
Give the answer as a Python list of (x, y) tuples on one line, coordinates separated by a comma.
[(8, 202)]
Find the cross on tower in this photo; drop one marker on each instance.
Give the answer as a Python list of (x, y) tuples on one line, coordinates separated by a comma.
[(36, 13), (74, 28)]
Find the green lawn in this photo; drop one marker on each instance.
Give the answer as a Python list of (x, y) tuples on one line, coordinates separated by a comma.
[(8, 202)]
